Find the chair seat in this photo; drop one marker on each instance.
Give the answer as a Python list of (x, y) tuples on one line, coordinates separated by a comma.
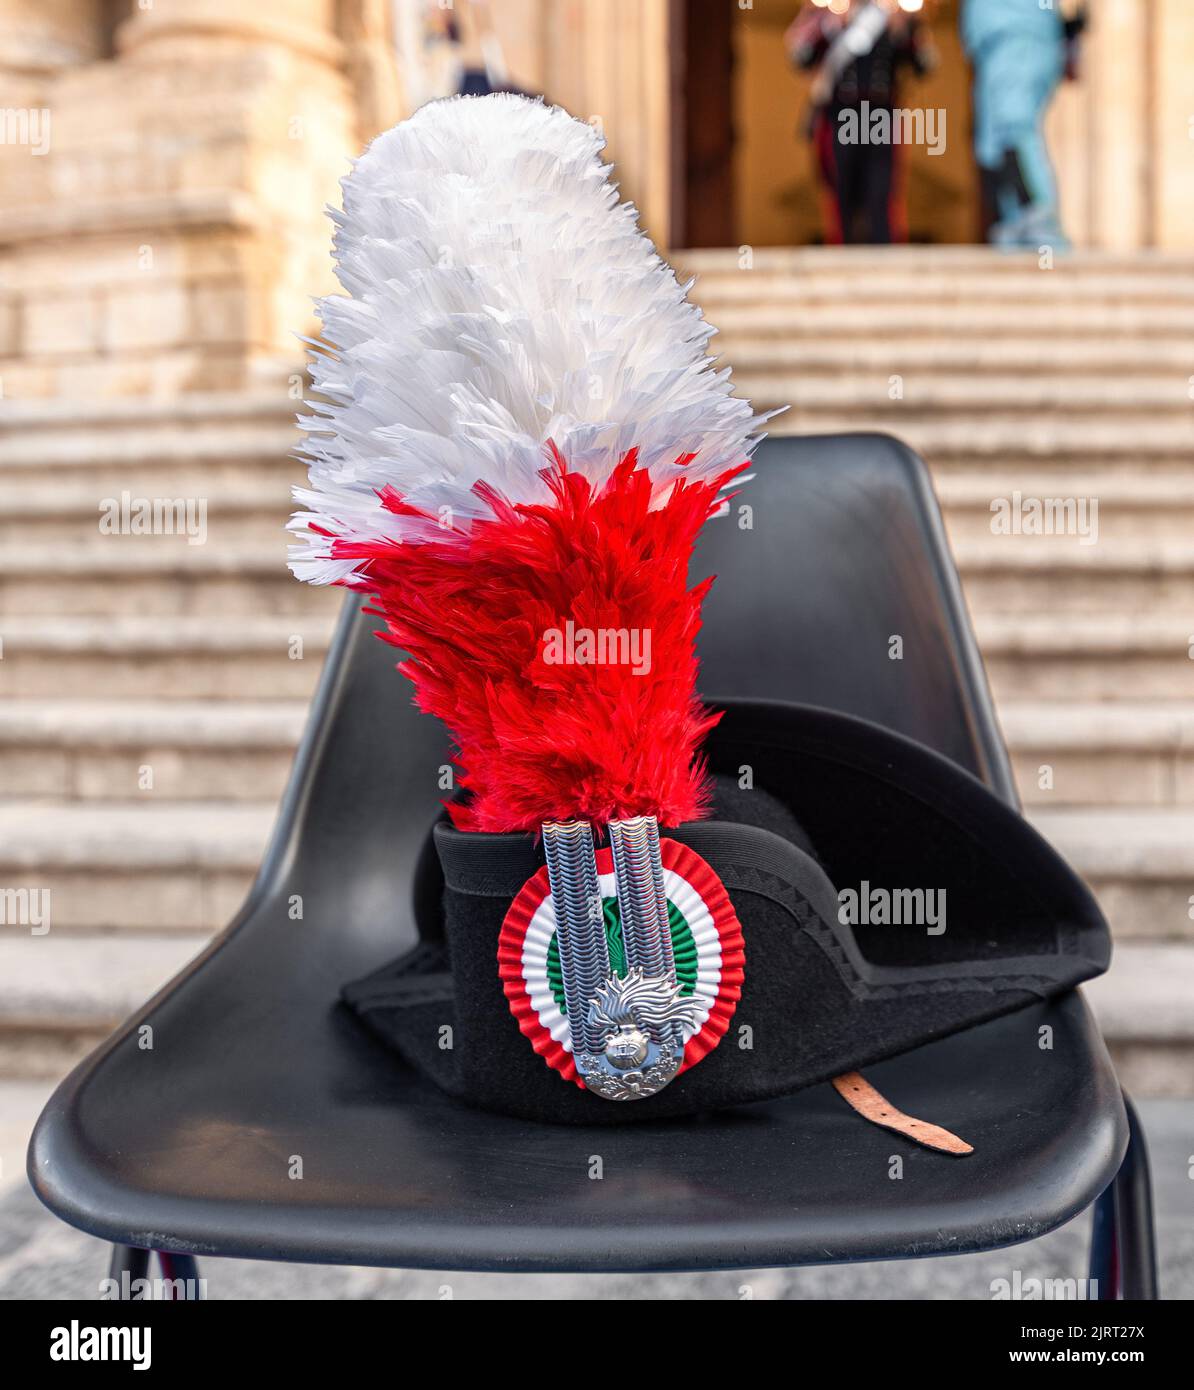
[(194, 1145), (191, 1147)]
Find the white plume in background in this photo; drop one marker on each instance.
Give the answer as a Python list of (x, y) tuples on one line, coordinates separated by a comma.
[(498, 296)]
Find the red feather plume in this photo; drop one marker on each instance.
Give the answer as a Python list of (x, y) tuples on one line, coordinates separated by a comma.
[(545, 728)]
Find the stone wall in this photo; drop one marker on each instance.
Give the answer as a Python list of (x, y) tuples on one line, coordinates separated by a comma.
[(165, 164), (169, 235)]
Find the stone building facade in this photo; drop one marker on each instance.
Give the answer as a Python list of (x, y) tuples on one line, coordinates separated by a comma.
[(165, 163)]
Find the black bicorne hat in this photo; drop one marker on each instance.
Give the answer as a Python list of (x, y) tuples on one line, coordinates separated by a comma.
[(886, 898), (518, 440)]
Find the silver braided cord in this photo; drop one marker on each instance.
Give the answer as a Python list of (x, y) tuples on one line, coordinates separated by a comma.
[(642, 901), (580, 927)]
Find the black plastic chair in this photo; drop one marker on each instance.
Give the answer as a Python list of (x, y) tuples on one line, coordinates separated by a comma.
[(192, 1147)]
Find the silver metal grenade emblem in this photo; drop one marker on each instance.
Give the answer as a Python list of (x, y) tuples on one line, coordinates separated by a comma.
[(627, 1033)]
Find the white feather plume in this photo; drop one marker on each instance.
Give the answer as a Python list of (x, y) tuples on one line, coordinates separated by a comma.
[(497, 297)]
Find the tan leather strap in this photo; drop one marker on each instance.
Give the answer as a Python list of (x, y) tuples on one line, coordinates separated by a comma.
[(858, 1093)]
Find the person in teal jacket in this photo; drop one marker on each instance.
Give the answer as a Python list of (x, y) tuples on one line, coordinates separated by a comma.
[(1020, 50)]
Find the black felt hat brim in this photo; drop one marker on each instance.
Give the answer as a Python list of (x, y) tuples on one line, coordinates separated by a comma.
[(834, 803)]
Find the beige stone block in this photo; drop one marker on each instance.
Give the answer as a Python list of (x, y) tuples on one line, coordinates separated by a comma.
[(10, 320), (24, 380), (223, 164), (1089, 676), (148, 316), (224, 893), (45, 1053), (34, 771), (1184, 779), (1097, 777), (229, 313), (99, 261), (150, 595), (1147, 909), (50, 34), (169, 675), (25, 177), (1172, 142), (115, 898), (181, 774), (162, 374), (306, 25), (58, 325), (102, 377), (1155, 1069)]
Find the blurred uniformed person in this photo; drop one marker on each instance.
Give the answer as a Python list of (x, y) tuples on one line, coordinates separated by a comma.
[(859, 49), (1021, 50)]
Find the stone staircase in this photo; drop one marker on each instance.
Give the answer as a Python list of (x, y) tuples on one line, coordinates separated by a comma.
[(1075, 382), (153, 691)]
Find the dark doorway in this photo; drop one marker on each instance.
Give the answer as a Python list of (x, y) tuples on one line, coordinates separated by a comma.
[(702, 58), (743, 172)]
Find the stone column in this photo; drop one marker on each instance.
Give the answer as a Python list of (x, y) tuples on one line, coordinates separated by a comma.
[(175, 233), (43, 36), (607, 61), (1172, 129), (1098, 132), (40, 38)]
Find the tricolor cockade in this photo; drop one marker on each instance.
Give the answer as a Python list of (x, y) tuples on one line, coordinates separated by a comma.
[(516, 435)]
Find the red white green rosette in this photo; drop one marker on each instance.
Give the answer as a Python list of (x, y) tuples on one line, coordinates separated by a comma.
[(706, 943)]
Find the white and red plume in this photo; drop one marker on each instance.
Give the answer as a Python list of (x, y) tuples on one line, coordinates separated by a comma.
[(517, 434)]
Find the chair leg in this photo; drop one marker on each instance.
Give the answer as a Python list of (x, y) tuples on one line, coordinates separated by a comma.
[(1136, 1233), (1123, 1255), (1104, 1252), (129, 1263), (183, 1268)]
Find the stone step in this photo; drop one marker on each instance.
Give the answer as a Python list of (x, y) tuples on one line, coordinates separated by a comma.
[(81, 445), (61, 995), (241, 519), (960, 490), (1057, 442), (22, 1099), (998, 433), (157, 865), (1138, 860), (116, 575), (232, 513), (160, 471), (909, 262), (1152, 509), (1087, 657), (106, 579), (719, 290), (1121, 753), (187, 658), (147, 866), (87, 982), (1142, 1005), (1145, 996), (247, 514), (921, 392), (1026, 573), (1095, 357), (1065, 753), (961, 321), (183, 446), (1080, 459), (183, 750), (200, 412)]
